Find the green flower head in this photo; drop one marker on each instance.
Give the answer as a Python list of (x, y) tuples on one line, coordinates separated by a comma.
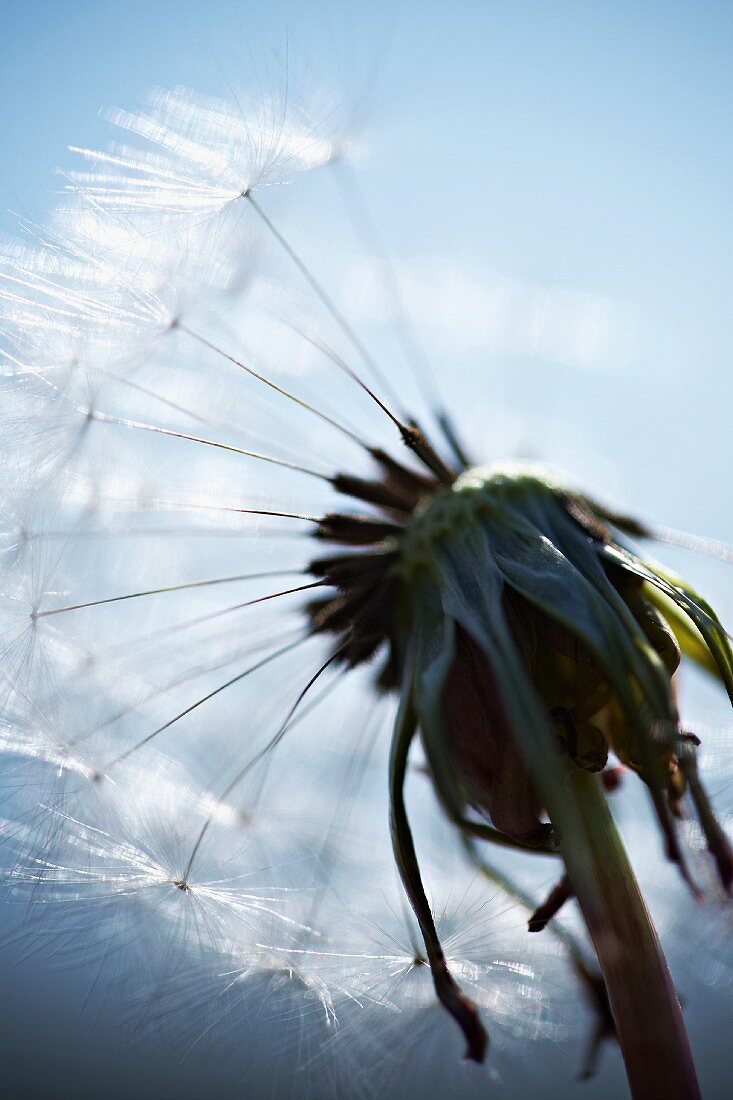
[(527, 641)]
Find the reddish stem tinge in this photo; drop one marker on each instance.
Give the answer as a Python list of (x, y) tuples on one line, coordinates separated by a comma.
[(643, 1000)]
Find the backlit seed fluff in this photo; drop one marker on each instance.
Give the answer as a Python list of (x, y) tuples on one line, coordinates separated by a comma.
[(305, 710)]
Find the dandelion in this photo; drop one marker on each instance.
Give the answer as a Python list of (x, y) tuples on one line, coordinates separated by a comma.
[(236, 557), (201, 155)]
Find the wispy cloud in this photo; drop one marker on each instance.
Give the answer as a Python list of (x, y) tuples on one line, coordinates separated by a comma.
[(466, 309)]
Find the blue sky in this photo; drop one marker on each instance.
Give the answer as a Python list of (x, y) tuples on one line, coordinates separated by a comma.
[(558, 129), (575, 145), (580, 150)]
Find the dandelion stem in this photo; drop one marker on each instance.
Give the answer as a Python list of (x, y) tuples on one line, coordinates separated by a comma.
[(123, 422), (645, 1007), (145, 639), (362, 218), (341, 363), (463, 1010), (205, 699), (325, 300), (254, 760), (170, 588), (698, 544), (272, 385)]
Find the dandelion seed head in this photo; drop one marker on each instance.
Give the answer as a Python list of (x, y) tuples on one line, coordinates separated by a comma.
[(202, 154), (232, 565)]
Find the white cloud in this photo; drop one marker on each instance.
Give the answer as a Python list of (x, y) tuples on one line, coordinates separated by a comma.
[(464, 310)]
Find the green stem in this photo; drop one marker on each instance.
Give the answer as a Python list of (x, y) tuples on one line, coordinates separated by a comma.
[(646, 1011), (460, 1007)]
